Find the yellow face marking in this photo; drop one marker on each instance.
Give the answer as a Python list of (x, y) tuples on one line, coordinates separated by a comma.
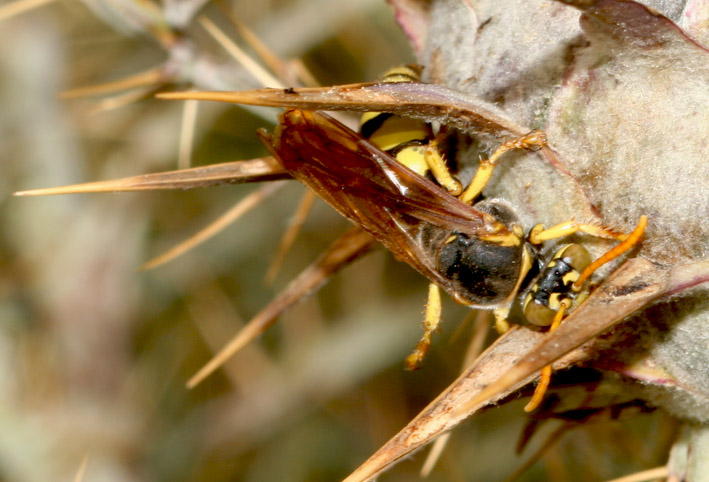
[(570, 277), (555, 301)]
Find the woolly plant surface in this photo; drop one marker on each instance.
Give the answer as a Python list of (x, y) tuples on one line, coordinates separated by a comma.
[(621, 91)]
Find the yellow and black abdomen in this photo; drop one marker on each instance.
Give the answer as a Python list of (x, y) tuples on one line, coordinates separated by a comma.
[(402, 137)]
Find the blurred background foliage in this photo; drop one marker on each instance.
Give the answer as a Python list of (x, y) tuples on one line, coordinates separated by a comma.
[(95, 354)]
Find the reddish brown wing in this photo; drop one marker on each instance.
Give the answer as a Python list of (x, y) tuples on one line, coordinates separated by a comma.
[(370, 187)]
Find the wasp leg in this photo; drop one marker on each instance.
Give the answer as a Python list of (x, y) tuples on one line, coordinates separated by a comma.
[(501, 323), (437, 164), (501, 313), (533, 140), (630, 240), (430, 324), (545, 377), (539, 233)]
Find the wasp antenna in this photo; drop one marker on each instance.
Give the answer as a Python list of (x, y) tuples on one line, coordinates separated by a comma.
[(632, 239)]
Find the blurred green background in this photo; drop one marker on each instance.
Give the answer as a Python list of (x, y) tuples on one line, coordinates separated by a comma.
[(95, 354)]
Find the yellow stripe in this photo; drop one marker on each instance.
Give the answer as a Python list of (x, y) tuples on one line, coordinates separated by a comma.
[(509, 239), (554, 301), (396, 131), (403, 73), (414, 157), (570, 277)]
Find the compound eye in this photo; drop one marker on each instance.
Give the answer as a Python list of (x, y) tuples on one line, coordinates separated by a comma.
[(538, 313), (575, 256)]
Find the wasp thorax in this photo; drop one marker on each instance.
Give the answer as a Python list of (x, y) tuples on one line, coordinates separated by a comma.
[(553, 286), (484, 273)]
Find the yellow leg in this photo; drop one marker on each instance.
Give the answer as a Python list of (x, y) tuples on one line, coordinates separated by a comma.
[(501, 313), (539, 233), (437, 164), (430, 324), (545, 377), (532, 140), (501, 323)]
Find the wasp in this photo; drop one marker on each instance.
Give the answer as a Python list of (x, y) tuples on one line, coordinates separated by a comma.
[(391, 181)]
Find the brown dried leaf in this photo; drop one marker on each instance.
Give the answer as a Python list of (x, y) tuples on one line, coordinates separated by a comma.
[(442, 414), (424, 101)]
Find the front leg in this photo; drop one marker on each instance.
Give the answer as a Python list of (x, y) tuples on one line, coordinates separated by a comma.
[(430, 325), (533, 140)]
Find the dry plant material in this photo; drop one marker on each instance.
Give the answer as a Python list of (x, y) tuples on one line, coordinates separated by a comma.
[(611, 145), (518, 355), (239, 209), (348, 247), (301, 213), (149, 78), (422, 101), (644, 476), (18, 7), (255, 170)]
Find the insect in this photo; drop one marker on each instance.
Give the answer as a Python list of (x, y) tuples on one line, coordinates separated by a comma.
[(393, 183), (477, 253)]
